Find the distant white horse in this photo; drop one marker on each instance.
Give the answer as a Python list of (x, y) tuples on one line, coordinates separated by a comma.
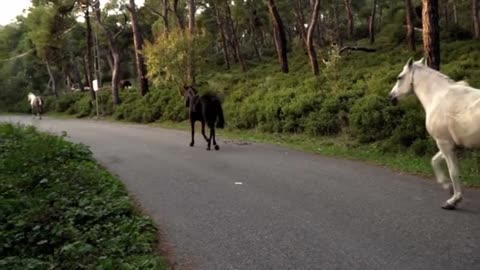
[(36, 104), (452, 117)]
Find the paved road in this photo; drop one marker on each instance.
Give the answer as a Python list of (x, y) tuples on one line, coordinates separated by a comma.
[(292, 211)]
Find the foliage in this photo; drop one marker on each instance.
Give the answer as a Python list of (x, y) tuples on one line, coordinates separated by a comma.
[(60, 210), (170, 55)]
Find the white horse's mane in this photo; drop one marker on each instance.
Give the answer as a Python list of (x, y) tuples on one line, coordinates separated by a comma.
[(441, 75)]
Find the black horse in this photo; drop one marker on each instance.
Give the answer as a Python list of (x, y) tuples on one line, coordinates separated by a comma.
[(206, 109)]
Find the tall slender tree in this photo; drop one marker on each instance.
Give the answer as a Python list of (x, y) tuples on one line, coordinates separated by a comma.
[(371, 23), (410, 26), (88, 55), (310, 48), (280, 36), (431, 33), (221, 30), (476, 18), (114, 50), (348, 9), (138, 43), (191, 30), (233, 36)]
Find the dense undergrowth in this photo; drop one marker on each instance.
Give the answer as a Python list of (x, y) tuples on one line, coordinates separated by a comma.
[(60, 210), (350, 96), (348, 99)]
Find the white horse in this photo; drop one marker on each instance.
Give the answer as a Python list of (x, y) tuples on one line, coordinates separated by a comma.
[(452, 117), (36, 104)]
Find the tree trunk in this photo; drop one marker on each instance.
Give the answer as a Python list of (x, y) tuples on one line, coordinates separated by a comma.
[(476, 18), (446, 15), (234, 38), (116, 78), (279, 35), (455, 18), (76, 73), (221, 28), (338, 35), (300, 20), (191, 30), (166, 9), (348, 9), (52, 79), (178, 15), (114, 52), (89, 52), (410, 26), (431, 33), (253, 30), (371, 23), (138, 43), (98, 68), (85, 71), (109, 61), (311, 49)]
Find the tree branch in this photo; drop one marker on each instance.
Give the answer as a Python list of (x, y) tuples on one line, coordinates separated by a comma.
[(154, 11), (363, 49), (122, 27)]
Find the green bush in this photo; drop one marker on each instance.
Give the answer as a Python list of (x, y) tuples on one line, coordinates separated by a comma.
[(64, 102), (60, 210), (83, 107), (371, 120)]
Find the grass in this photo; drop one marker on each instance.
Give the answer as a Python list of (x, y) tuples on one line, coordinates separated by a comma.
[(343, 147), (61, 210)]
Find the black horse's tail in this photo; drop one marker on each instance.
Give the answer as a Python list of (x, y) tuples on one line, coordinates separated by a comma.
[(221, 119)]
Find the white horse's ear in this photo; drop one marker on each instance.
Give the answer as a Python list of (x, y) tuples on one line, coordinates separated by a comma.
[(421, 61), (410, 62)]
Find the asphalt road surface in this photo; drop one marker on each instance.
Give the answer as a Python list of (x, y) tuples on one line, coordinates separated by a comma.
[(258, 206)]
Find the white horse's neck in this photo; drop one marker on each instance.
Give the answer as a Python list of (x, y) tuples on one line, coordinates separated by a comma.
[(429, 86)]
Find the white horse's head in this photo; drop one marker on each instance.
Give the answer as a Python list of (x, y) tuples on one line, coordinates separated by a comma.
[(404, 85), (31, 96)]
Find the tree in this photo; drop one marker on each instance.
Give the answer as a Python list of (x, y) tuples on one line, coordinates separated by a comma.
[(138, 44), (431, 33), (280, 37), (221, 29), (310, 48), (178, 15), (476, 18), (233, 36), (191, 30), (348, 9), (410, 26), (371, 23), (114, 50), (89, 61)]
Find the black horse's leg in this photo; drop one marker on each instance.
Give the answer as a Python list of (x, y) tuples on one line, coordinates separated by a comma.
[(192, 125), (214, 141), (210, 139), (203, 131)]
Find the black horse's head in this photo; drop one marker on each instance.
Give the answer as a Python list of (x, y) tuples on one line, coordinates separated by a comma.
[(190, 94)]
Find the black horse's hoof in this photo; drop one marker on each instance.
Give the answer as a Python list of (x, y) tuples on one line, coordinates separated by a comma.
[(448, 206), (217, 147), (208, 149), (191, 144)]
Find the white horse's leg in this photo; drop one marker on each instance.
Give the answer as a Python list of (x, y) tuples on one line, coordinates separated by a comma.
[(452, 163), (439, 174)]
